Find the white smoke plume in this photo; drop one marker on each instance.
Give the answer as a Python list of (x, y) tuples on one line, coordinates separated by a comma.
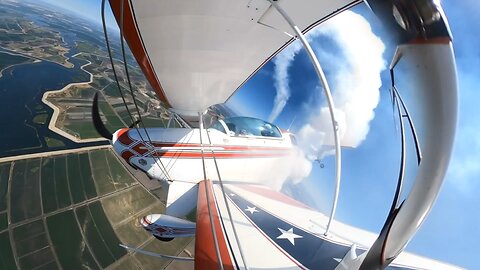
[(281, 64), (355, 81)]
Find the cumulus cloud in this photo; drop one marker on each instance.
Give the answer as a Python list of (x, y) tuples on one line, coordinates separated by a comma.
[(354, 80), (356, 83)]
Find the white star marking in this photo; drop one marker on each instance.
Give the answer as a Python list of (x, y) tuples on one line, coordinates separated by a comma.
[(288, 235), (251, 209)]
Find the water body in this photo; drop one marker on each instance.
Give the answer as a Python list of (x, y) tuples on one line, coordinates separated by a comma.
[(21, 90)]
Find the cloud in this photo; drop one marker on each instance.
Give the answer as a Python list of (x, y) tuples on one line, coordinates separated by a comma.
[(354, 76), (355, 83)]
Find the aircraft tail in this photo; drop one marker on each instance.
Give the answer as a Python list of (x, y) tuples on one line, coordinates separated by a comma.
[(181, 198)]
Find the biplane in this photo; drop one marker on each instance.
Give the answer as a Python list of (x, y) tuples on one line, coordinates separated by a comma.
[(196, 54)]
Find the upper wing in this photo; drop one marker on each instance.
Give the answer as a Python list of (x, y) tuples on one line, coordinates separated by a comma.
[(277, 232), (197, 53)]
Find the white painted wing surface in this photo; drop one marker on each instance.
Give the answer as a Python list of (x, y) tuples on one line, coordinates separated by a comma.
[(197, 53)]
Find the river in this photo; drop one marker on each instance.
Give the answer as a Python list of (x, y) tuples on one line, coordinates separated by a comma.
[(21, 90)]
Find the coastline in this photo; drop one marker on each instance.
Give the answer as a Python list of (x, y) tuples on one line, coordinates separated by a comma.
[(35, 60), (56, 111), (52, 153)]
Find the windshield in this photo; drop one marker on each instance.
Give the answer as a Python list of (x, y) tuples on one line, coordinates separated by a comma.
[(248, 126)]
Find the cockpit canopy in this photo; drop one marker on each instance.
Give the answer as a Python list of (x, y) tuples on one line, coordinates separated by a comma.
[(246, 126)]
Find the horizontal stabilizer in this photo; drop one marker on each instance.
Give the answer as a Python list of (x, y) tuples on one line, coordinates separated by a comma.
[(182, 198)]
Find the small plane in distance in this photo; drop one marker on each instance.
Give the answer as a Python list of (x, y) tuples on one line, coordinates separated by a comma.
[(196, 54)]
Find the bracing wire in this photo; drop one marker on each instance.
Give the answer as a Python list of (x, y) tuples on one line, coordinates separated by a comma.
[(331, 107), (107, 41), (226, 202), (118, 83), (212, 226), (111, 61), (157, 160)]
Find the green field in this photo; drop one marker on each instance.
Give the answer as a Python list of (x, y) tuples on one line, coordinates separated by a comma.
[(106, 230), (112, 90), (74, 175), (17, 193), (86, 176), (4, 175), (123, 205), (99, 83), (25, 199), (41, 259), (30, 237), (83, 46), (97, 204), (101, 172), (68, 242), (93, 236), (128, 264), (113, 122), (61, 182), (121, 177), (84, 130), (49, 190), (6, 256), (3, 221)]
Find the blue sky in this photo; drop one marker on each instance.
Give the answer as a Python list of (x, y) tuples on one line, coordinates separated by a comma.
[(451, 231)]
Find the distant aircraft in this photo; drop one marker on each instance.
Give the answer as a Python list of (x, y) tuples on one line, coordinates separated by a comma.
[(198, 53)]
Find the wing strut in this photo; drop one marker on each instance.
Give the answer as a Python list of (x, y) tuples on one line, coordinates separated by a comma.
[(214, 233), (242, 255), (149, 144), (331, 106)]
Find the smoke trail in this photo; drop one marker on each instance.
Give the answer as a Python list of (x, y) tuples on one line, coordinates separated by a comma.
[(281, 64), (354, 79)]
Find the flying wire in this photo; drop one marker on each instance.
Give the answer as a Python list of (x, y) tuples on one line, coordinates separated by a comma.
[(118, 83), (111, 61), (212, 226), (127, 74), (226, 201)]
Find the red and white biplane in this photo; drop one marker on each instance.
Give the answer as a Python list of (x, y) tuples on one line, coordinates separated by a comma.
[(198, 53)]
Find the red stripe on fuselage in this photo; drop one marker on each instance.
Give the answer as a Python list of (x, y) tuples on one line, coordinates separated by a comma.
[(123, 138), (246, 154), (205, 252), (126, 155)]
